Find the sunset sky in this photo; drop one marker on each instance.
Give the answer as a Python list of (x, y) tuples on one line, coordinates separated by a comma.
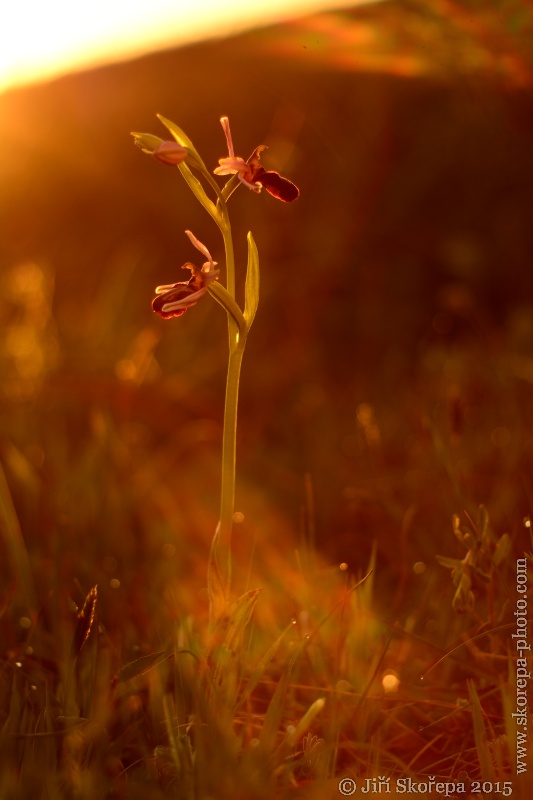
[(39, 40)]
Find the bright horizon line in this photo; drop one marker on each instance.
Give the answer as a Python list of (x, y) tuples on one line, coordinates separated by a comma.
[(42, 41)]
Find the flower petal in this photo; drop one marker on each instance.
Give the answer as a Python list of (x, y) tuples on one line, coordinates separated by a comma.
[(166, 287), (224, 121), (210, 265)]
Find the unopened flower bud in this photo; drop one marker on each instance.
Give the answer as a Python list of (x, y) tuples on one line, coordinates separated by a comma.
[(170, 153)]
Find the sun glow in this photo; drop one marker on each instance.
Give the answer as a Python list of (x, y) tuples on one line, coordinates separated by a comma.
[(39, 40)]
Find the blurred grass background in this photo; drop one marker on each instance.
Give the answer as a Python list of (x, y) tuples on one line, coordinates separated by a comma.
[(388, 377)]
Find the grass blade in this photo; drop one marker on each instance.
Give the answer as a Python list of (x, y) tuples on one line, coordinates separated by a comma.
[(15, 545)]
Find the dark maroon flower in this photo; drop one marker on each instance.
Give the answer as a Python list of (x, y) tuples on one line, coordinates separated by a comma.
[(252, 173), (174, 299)]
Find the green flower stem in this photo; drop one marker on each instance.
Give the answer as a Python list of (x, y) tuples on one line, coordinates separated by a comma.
[(229, 438), (229, 434), (228, 246)]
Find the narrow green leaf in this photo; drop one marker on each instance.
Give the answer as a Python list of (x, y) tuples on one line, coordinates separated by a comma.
[(484, 576), (12, 723), (459, 573), (181, 137), (262, 667), (195, 160), (274, 714), (199, 192), (226, 646), (231, 627), (503, 549), (463, 536), (483, 521), (147, 142), (485, 761), (271, 726), (240, 615), (223, 297), (139, 666), (229, 632), (251, 290), (215, 584), (463, 599), (295, 733), (229, 187), (450, 563), (11, 533)]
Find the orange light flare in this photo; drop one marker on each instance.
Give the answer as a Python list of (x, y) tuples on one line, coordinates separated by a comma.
[(40, 40)]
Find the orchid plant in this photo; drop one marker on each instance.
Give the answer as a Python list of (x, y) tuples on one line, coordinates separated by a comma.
[(173, 300)]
